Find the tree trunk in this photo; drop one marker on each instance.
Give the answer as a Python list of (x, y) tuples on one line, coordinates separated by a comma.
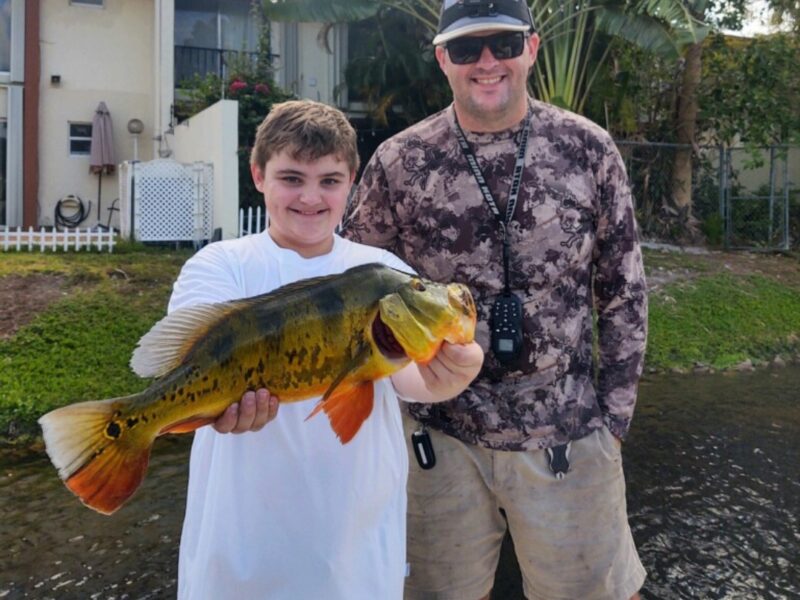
[(686, 125)]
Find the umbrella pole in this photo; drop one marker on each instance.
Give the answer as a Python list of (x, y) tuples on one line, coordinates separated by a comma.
[(99, 187)]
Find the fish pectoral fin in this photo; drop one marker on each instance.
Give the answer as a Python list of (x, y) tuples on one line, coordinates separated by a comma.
[(347, 408)]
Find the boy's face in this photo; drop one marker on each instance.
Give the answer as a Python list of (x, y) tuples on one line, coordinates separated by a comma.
[(305, 200)]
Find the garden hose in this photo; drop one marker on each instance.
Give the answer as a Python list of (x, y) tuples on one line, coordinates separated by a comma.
[(75, 209)]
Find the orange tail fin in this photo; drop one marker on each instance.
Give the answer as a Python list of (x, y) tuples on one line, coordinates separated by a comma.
[(97, 464), (347, 408)]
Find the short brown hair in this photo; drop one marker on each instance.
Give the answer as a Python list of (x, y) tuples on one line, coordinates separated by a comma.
[(307, 130)]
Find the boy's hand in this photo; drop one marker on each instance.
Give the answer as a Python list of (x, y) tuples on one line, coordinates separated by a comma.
[(452, 369), (255, 410)]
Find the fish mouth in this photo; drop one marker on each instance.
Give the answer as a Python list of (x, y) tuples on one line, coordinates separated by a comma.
[(385, 340)]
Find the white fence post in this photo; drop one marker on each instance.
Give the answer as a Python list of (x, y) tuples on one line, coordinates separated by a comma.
[(69, 239)]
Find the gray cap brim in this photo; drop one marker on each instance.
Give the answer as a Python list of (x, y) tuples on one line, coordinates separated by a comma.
[(470, 25)]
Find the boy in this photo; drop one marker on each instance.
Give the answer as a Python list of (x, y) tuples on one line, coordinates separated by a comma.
[(288, 511)]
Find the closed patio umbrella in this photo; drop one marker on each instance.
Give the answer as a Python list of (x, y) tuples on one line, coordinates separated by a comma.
[(101, 150)]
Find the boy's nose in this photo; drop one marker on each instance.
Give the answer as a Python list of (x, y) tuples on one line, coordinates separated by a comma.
[(310, 196)]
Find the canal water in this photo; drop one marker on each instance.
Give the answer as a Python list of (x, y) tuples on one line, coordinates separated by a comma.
[(713, 471)]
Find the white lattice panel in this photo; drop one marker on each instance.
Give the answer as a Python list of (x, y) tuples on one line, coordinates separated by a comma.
[(172, 201)]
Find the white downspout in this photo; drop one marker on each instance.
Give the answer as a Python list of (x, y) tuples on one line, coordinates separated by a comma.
[(164, 69)]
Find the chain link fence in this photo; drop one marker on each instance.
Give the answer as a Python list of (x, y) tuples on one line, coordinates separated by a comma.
[(738, 198)]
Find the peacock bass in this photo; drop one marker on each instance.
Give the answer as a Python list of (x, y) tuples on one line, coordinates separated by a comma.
[(330, 336)]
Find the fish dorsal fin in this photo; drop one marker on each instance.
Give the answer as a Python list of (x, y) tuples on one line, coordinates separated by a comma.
[(167, 344), (169, 341)]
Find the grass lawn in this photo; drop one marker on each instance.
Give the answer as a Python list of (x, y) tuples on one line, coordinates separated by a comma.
[(71, 321)]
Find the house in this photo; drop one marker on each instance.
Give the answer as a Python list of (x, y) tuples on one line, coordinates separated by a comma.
[(60, 58)]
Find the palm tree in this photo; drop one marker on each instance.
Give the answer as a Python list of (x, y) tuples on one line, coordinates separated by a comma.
[(570, 31), (575, 40)]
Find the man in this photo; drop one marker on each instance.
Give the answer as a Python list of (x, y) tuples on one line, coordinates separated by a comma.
[(530, 206)]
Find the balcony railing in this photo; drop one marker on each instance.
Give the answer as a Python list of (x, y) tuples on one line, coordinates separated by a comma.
[(191, 61)]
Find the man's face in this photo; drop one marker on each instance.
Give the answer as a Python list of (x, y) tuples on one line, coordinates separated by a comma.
[(490, 94), (305, 200)]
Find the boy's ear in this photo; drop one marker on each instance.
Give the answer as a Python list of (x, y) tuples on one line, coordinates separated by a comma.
[(258, 176)]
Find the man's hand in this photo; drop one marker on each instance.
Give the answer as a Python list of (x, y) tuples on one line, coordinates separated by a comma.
[(255, 410)]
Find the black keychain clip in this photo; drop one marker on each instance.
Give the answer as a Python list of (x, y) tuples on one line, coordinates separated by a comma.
[(423, 448)]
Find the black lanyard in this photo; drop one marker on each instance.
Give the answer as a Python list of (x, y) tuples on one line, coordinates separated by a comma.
[(487, 193)]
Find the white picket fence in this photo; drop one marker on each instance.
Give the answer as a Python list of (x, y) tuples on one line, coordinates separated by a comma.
[(251, 221), (68, 239)]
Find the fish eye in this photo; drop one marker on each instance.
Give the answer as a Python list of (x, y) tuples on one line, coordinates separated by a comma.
[(418, 285)]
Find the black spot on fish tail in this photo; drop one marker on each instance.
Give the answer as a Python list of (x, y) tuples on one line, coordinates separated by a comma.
[(113, 430), (261, 365), (248, 374)]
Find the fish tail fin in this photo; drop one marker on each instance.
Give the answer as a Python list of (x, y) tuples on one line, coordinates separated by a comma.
[(100, 460), (347, 408)]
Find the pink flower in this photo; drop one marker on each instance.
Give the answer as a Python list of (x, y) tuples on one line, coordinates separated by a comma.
[(236, 85), (262, 88)]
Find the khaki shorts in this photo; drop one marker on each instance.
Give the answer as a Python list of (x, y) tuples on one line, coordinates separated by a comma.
[(571, 536)]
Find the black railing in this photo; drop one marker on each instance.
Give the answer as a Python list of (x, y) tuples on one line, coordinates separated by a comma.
[(191, 61)]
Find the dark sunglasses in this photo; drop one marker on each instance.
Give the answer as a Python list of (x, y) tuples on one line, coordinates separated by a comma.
[(468, 50)]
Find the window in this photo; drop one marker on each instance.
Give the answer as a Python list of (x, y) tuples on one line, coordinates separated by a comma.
[(87, 2), (210, 35), (218, 24), (80, 139)]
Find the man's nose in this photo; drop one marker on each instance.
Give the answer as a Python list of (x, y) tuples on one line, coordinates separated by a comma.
[(486, 57)]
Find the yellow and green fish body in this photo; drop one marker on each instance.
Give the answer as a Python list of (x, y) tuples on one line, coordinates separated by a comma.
[(330, 336)]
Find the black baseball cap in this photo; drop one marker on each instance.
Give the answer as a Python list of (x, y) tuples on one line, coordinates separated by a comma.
[(464, 17)]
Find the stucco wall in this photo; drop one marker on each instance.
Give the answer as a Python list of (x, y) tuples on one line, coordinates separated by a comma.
[(102, 54), (212, 136), (753, 179)]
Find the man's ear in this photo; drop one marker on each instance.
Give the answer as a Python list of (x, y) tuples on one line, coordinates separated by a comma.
[(440, 51), (258, 176), (533, 45)]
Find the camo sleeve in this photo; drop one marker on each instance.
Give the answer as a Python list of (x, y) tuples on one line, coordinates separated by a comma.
[(370, 218), (620, 295)]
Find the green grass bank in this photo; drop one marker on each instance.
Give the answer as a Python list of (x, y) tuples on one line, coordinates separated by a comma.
[(71, 321)]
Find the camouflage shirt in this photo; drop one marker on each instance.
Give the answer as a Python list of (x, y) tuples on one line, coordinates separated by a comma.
[(573, 246)]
